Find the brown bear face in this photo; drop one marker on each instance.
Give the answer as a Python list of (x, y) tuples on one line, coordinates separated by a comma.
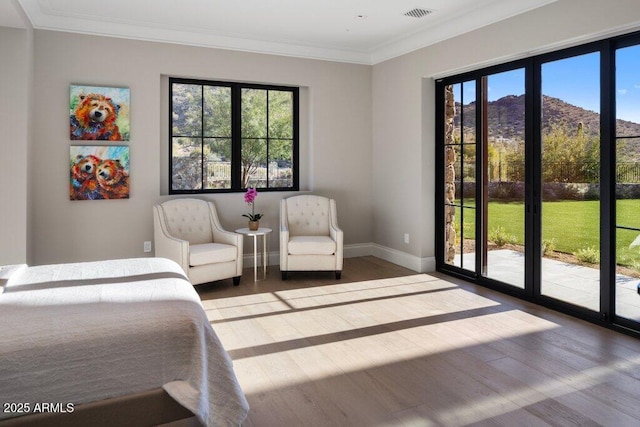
[(109, 173), (113, 180), (85, 167), (96, 108), (94, 118)]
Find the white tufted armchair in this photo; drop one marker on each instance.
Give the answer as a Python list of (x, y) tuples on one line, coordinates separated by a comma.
[(188, 231), (310, 239)]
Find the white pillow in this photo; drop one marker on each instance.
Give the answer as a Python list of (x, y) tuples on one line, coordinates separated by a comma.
[(6, 271)]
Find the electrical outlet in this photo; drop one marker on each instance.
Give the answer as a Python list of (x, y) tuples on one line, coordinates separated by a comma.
[(406, 238), (147, 246)]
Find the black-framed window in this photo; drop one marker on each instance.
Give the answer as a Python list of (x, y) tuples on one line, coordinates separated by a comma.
[(228, 136)]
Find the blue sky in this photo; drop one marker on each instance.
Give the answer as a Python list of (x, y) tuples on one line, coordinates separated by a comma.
[(576, 80), (628, 83)]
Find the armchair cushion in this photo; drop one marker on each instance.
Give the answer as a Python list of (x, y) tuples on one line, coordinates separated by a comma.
[(311, 245), (189, 232), (189, 220), (211, 253), (308, 215)]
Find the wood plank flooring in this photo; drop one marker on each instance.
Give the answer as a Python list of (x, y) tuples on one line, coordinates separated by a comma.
[(385, 346)]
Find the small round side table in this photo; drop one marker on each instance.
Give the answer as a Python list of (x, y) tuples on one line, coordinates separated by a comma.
[(262, 231)]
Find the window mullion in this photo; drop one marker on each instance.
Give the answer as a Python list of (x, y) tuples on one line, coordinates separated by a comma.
[(202, 172), (171, 83), (267, 141), (296, 138), (236, 137)]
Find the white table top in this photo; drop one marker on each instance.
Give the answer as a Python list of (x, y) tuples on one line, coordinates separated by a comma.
[(259, 232)]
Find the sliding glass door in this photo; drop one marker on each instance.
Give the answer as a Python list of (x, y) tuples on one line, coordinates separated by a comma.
[(460, 181), (484, 143), (570, 172), (503, 207), (627, 173), (539, 179)]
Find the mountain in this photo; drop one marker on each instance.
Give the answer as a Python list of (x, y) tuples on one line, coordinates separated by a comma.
[(506, 117)]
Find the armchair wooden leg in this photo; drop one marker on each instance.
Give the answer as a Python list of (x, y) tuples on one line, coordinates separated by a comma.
[(236, 280), (338, 274), (284, 275)]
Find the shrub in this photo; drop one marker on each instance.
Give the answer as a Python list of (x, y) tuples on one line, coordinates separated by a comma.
[(506, 191), (589, 255), (552, 191), (500, 237), (548, 246)]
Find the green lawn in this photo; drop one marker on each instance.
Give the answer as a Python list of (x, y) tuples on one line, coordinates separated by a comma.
[(574, 225)]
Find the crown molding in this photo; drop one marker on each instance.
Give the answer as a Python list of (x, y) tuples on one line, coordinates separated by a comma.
[(42, 21), (461, 23)]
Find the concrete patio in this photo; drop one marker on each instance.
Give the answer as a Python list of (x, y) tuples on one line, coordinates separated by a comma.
[(572, 283)]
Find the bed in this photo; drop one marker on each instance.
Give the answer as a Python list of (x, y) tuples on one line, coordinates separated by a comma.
[(76, 335)]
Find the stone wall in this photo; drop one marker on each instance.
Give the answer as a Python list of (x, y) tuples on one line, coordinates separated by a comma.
[(450, 177)]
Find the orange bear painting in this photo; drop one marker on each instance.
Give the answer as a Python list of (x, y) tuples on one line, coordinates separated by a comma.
[(113, 180), (99, 172), (99, 113), (84, 184)]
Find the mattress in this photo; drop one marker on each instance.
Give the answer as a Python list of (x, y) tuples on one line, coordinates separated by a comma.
[(84, 332)]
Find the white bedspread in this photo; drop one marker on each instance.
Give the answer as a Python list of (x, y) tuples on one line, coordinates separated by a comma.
[(78, 333)]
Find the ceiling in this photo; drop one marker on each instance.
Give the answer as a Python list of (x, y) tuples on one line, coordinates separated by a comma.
[(358, 31)]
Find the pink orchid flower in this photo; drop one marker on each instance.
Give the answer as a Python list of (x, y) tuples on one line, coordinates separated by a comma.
[(250, 197)]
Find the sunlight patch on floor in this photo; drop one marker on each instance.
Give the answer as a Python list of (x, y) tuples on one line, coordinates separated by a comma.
[(288, 338), (559, 388)]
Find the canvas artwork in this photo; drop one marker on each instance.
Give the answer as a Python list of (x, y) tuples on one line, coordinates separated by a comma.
[(99, 172), (99, 113)]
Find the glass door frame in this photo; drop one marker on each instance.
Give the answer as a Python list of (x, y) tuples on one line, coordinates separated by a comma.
[(607, 188), (606, 315), (479, 77), (609, 295)]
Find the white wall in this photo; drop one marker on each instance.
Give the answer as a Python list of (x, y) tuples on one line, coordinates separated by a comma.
[(14, 116), (369, 136), (336, 142), (403, 108)]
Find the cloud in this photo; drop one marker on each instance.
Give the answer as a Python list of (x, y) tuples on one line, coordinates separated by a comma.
[(636, 86), (622, 91)]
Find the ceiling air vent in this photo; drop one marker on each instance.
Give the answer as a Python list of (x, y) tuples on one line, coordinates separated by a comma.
[(418, 12)]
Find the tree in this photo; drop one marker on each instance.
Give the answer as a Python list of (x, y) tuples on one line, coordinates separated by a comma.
[(569, 157), (566, 156), (262, 144), (187, 115)]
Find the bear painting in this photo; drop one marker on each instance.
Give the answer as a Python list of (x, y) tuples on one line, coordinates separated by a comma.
[(113, 179), (84, 184), (99, 172), (99, 113)]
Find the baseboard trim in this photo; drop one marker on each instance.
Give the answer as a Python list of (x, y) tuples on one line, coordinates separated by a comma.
[(412, 262), (357, 250)]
